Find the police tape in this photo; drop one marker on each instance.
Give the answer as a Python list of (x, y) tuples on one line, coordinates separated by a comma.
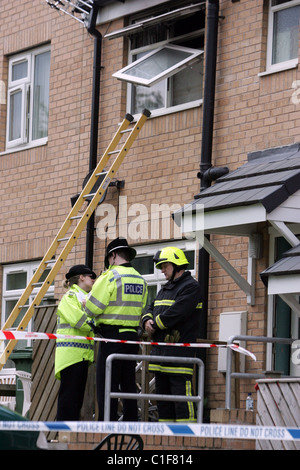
[(21, 335), (221, 431)]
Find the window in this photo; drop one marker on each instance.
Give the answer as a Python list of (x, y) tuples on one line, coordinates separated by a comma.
[(15, 279), (28, 98), (283, 34), (158, 64), (176, 80), (143, 263)]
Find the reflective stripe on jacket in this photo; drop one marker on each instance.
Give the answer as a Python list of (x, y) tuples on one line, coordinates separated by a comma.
[(118, 297), (176, 315), (71, 320)]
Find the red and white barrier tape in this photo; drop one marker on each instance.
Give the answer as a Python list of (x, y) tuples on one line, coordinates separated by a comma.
[(21, 335)]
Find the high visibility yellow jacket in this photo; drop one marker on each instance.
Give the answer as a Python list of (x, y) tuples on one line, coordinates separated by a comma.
[(71, 320), (118, 297)]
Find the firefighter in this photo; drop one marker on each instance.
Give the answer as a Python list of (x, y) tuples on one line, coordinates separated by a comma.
[(174, 317), (73, 356), (115, 305)]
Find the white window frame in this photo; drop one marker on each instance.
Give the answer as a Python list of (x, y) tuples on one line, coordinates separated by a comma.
[(124, 74), (21, 140), (25, 85), (280, 65), (167, 107), (15, 294)]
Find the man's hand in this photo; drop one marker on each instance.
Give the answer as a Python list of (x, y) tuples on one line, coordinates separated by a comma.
[(149, 328)]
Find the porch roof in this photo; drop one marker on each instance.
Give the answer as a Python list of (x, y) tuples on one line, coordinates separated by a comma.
[(284, 276), (266, 189), (258, 191)]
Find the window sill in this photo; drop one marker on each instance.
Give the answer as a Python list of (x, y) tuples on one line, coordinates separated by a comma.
[(281, 68), (173, 109), (39, 143)]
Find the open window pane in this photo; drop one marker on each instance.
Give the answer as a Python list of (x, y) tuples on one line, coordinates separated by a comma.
[(15, 115), (158, 64)]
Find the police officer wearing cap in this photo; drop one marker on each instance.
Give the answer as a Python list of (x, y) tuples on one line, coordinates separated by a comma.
[(173, 317), (115, 304), (73, 356)]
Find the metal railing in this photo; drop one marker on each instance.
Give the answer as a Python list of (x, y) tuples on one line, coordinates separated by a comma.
[(244, 375), (152, 396)]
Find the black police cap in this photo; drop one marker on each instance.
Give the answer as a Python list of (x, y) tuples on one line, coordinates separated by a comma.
[(119, 243), (80, 269)]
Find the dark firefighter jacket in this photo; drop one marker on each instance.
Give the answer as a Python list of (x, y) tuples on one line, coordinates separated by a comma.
[(176, 315)]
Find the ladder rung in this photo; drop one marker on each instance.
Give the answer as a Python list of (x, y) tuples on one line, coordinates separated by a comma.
[(113, 151), (102, 173), (126, 130), (89, 195), (75, 217), (62, 239), (37, 284)]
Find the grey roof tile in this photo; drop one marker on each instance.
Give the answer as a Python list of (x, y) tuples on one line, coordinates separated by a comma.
[(268, 178), (288, 264)]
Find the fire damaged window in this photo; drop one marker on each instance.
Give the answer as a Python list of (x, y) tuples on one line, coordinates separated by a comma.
[(165, 65)]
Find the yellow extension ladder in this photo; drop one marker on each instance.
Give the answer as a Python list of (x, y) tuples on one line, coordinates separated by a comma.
[(93, 191)]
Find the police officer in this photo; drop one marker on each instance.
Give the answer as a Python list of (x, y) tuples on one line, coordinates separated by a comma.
[(115, 304), (174, 317), (73, 356)]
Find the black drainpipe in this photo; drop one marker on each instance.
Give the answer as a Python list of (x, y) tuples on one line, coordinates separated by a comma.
[(94, 124), (206, 150)]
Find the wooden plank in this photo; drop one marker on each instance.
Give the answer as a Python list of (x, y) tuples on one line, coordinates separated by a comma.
[(43, 355), (267, 418), (284, 411), (262, 444), (47, 401), (45, 386), (292, 401), (274, 411), (295, 387), (292, 413)]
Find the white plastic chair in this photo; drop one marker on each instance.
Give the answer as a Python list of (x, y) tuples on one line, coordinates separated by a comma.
[(25, 378), (8, 378)]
